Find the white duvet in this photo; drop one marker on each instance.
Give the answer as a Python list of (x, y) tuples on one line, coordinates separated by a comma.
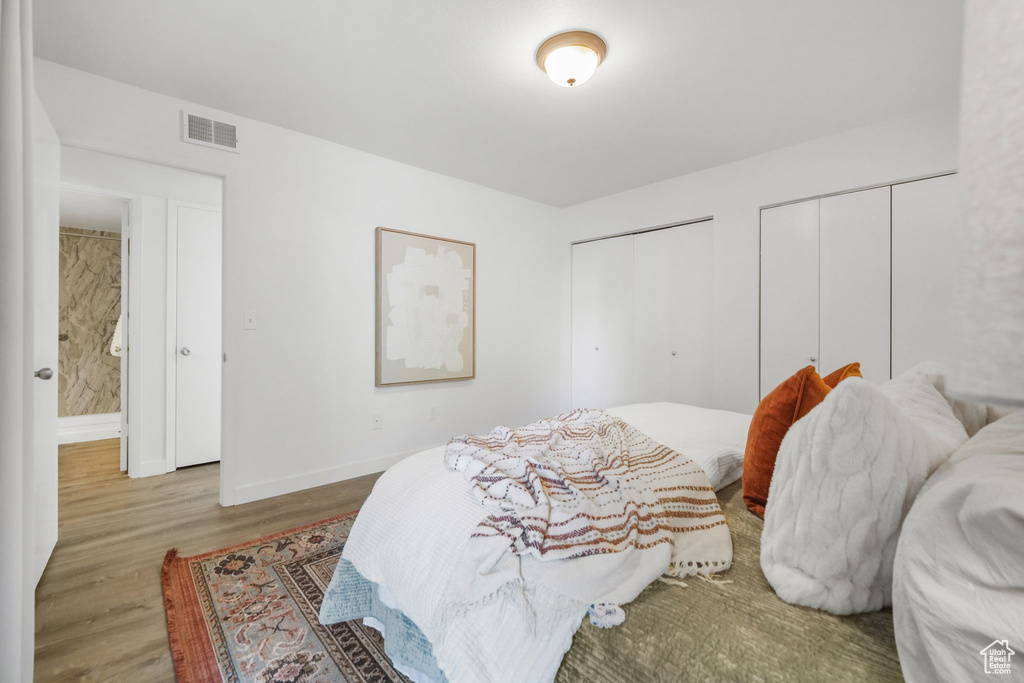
[(411, 536), (845, 478), (958, 583)]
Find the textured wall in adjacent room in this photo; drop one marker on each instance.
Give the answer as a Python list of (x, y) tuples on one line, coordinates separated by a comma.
[(90, 303)]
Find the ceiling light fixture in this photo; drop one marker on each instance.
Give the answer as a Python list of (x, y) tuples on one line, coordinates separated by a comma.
[(571, 58)]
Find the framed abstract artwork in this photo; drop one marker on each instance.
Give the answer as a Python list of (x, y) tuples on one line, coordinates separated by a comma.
[(426, 308)]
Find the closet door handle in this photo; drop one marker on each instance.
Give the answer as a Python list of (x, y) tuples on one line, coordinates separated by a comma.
[(44, 373), (813, 359)]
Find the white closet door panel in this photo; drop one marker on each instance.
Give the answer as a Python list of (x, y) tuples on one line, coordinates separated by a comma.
[(673, 314), (854, 282), (602, 323), (789, 291), (926, 216)]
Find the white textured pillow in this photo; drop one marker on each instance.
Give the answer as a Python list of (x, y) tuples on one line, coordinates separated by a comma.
[(920, 393), (845, 477), (973, 416)]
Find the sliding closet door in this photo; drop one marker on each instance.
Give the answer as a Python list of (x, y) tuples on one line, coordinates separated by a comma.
[(602, 323), (854, 270), (926, 216), (789, 291), (672, 325)]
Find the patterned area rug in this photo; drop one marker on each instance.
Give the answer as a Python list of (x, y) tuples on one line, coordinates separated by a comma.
[(249, 613)]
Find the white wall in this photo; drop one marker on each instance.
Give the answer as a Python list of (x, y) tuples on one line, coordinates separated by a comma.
[(152, 186), (299, 219), (299, 225), (84, 166), (919, 144)]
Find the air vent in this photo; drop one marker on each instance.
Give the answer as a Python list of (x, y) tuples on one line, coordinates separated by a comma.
[(200, 130)]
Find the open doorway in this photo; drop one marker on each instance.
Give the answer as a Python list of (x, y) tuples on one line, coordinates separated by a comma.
[(140, 317), (91, 365)]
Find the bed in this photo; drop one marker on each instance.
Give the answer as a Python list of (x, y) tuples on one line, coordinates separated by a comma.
[(732, 627)]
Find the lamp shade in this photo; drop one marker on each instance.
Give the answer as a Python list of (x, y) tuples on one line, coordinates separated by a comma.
[(571, 58), (571, 65), (989, 361)]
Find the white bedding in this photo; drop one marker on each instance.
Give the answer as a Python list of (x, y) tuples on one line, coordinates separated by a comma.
[(411, 535), (714, 439), (959, 571)]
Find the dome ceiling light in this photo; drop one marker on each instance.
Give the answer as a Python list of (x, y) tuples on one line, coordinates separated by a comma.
[(570, 59)]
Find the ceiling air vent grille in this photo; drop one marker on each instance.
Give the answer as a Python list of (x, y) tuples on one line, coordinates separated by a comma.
[(200, 130)]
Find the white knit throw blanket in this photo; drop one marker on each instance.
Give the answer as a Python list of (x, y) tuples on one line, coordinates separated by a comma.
[(586, 483)]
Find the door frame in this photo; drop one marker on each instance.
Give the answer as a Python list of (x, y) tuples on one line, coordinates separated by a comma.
[(171, 419), (131, 273), (228, 173)]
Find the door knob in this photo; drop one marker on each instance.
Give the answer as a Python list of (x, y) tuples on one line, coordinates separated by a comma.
[(813, 359), (673, 353), (595, 348), (185, 351), (44, 373)]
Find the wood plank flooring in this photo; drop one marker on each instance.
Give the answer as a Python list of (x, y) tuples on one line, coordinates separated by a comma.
[(99, 605)]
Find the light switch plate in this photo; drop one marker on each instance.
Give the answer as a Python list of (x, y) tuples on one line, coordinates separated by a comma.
[(249, 320)]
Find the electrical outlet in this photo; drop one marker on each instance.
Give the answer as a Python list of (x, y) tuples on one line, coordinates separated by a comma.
[(433, 413), (378, 421)]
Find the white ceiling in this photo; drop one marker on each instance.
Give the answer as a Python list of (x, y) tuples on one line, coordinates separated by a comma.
[(452, 85), (90, 212)]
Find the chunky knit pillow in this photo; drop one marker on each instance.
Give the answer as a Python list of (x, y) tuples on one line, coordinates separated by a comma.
[(844, 479)]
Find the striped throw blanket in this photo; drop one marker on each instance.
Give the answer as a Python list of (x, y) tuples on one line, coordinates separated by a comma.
[(586, 483)]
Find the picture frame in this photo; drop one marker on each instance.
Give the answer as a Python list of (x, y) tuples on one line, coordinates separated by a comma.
[(425, 308)]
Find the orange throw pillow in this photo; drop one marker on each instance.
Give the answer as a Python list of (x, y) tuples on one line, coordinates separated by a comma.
[(786, 404), (851, 370)]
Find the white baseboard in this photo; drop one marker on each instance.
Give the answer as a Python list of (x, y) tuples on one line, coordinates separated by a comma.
[(278, 487), (79, 428), (150, 468)]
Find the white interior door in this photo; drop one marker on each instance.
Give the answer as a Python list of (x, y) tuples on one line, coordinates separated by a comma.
[(672, 335), (197, 356), (602, 323), (125, 309), (789, 291), (854, 282), (926, 216), (45, 273)]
